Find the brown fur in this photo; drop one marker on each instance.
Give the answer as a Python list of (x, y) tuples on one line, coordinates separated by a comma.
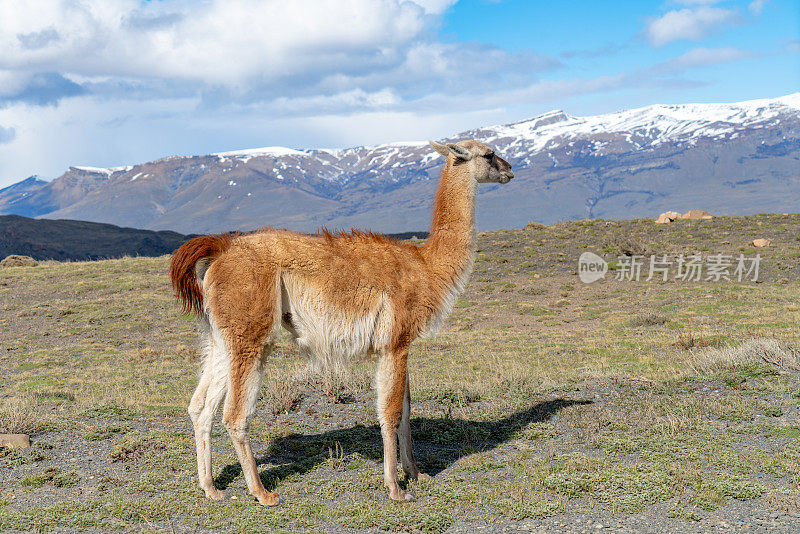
[(342, 279), (394, 406), (182, 273)]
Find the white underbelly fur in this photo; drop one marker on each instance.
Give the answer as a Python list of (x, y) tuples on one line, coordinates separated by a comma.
[(329, 335)]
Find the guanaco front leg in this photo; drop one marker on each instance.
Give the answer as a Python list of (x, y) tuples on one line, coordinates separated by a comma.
[(390, 383)]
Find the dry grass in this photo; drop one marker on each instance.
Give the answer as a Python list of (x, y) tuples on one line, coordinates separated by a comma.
[(282, 394), (758, 351), (18, 416), (336, 381), (650, 319), (631, 246)]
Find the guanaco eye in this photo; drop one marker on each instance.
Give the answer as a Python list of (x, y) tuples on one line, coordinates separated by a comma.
[(490, 155)]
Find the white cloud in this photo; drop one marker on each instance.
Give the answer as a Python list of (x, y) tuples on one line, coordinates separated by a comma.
[(688, 23), (225, 42), (435, 6), (241, 50), (12, 82), (7, 135), (356, 99), (703, 57), (757, 6)]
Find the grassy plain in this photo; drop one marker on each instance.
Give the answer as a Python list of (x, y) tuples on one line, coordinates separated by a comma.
[(545, 404)]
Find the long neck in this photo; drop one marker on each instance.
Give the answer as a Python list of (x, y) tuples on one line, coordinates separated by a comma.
[(449, 248)]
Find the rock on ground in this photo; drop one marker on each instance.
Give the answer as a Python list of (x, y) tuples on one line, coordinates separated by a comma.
[(22, 441), (668, 217), (696, 215)]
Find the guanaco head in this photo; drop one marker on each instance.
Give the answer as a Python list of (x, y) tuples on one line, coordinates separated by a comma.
[(486, 166)]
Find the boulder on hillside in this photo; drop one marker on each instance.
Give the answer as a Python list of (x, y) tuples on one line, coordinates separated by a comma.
[(696, 215), (533, 225), (761, 242), (668, 217), (15, 260)]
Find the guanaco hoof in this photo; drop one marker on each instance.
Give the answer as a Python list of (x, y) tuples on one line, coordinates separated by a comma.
[(268, 499), (402, 496), (215, 494)]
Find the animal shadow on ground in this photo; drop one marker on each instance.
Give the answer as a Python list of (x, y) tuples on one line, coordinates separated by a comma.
[(438, 443)]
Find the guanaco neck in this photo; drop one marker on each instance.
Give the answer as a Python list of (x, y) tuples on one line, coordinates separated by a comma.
[(450, 247)]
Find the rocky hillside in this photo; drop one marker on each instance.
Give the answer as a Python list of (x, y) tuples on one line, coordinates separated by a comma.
[(739, 158)]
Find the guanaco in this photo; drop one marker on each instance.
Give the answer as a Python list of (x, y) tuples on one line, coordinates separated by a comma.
[(339, 295)]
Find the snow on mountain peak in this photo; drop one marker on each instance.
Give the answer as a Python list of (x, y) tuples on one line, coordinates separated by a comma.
[(545, 119), (95, 170), (247, 153), (102, 170), (402, 144), (651, 125), (792, 101)]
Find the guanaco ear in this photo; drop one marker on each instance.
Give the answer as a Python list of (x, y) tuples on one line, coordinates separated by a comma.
[(440, 148), (459, 151)]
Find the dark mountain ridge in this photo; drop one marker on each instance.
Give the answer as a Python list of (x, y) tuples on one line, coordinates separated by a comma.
[(58, 239), (45, 239)]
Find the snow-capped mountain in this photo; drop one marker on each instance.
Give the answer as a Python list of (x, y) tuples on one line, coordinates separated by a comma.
[(645, 127), (725, 158)]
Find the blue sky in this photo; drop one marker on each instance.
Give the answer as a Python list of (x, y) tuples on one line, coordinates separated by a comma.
[(124, 81), (595, 39)]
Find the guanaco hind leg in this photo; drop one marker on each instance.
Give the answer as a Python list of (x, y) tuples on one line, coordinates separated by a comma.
[(204, 404), (247, 363), (404, 437)]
